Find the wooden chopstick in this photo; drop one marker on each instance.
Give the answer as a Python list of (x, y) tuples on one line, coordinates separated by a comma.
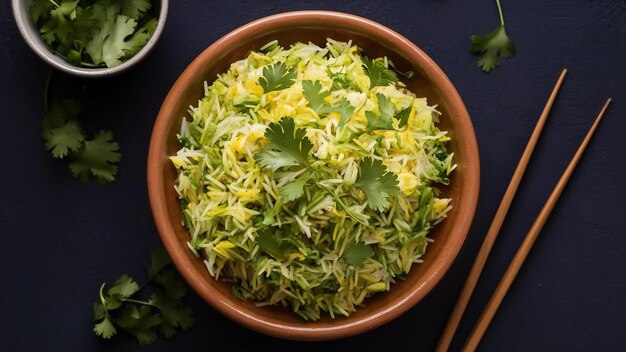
[(496, 224), (522, 252)]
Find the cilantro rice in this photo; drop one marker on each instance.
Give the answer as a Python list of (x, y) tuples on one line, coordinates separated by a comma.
[(307, 177)]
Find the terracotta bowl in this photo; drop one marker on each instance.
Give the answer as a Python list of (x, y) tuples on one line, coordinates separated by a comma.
[(376, 40)]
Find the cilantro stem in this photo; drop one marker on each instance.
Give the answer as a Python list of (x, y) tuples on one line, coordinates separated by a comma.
[(103, 301), (54, 3), (500, 11), (138, 302)]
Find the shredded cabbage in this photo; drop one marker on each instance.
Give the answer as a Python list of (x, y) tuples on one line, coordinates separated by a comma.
[(330, 249)]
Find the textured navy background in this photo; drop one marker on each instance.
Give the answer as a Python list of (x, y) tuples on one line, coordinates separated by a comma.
[(61, 239)]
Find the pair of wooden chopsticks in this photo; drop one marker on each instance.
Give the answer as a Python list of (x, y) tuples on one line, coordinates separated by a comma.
[(511, 272)]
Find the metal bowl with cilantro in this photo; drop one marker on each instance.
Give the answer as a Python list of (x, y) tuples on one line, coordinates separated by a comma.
[(91, 38), (308, 177)]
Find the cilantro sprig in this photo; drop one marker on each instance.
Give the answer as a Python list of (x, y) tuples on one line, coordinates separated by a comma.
[(63, 136), (356, 253), (277, 77), (345, 111), (98, 158), (377, 183), (119, 307), (312, 91), (272, 243), (378, 73), (100, 33), (62, 132), (382, 120), (494, 45), (295, 189), (286, 145), (387, 112)]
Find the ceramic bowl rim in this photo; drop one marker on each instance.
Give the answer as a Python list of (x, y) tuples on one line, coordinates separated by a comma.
[(344, 327)]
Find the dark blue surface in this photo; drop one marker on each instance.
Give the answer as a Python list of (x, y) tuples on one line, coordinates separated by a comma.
[(61, 239)]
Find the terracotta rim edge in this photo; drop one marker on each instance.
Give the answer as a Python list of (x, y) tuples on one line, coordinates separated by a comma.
[(431, 277)]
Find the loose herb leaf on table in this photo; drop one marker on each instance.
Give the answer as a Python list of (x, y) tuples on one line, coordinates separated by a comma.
[(121, 307), (97, 159), (63, 136), (493, 46), (62, 133)]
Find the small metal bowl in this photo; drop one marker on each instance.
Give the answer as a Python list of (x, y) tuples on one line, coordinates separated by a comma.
[(31, 35)]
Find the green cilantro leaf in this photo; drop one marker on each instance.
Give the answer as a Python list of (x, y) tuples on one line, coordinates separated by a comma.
[(61, 112), (98, 310), (313, 93), (140, 38), (114, 47), (124, 287), (294, 189), (287, 145), (105, 328), (94, 33), (105, 17), (494, 45), (61, 132), (403, 116), (97, 159), (63, 136), (108, 43), (382, 121), (173, 285), (39, 9), (378, 73), (107, 303), (407, 74), (272, 244), (377, 183), (356, 253), (345, 110), (277, 77), (60, 141), (162, 314), (158, 261), (173, 313), (340, 80), (59, 27), (134, 8), (140, 322)]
